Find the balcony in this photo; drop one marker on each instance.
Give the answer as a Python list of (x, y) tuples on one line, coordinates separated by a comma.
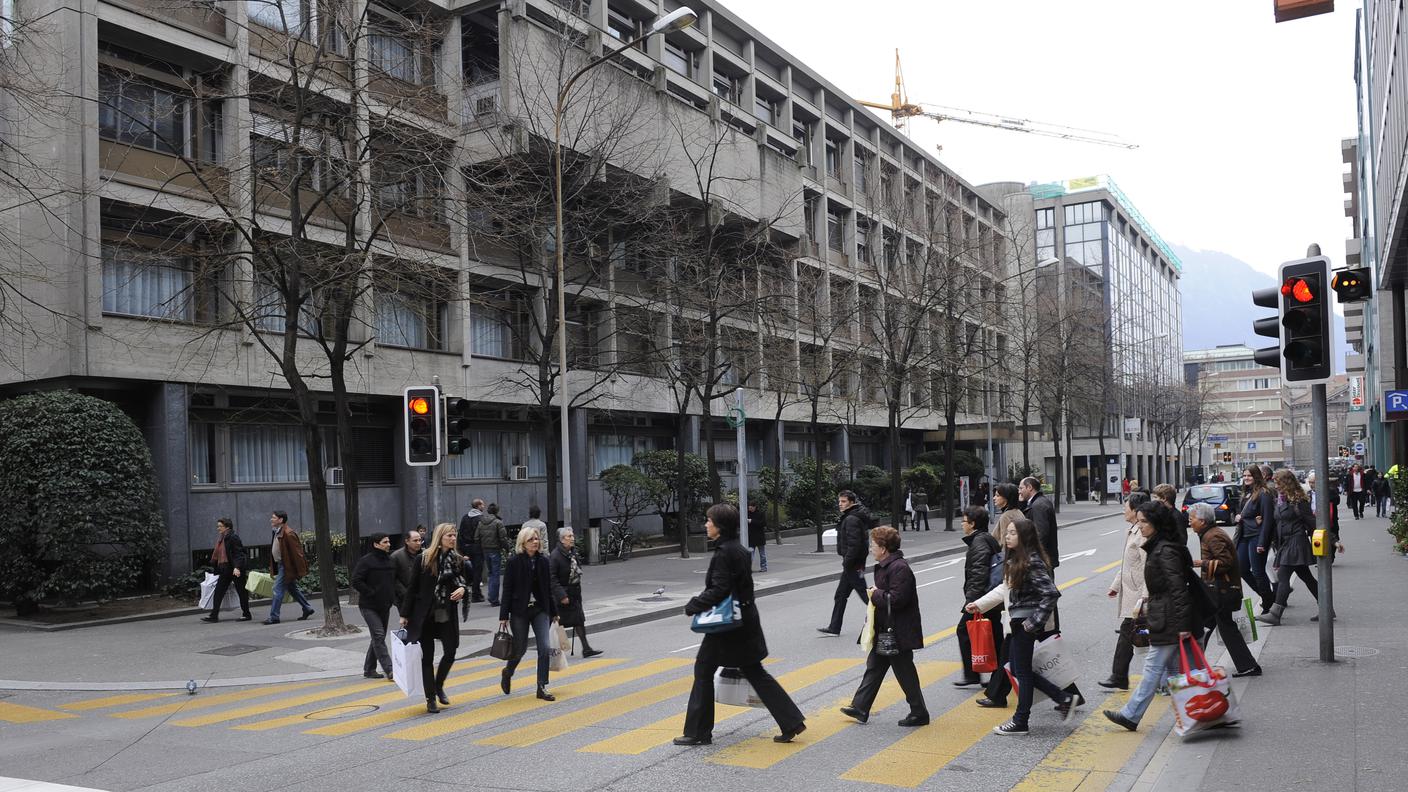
[(481, 102)]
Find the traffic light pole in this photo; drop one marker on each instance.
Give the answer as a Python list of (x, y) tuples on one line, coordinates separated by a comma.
[(1320, 440)]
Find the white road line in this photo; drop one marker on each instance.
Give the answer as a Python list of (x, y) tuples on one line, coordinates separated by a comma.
[(942, 564), (684, 648), (1107, 533), (932, 582)]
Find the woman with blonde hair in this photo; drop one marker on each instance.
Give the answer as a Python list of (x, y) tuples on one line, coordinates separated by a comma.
[(437, 585), (528, 601), (1294, 522)]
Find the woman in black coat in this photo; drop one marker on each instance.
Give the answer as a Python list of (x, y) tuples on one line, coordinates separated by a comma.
[(229, 559), (896, 601), (429, 611), (528, 602), (567, 588), (744, 648), (1294, 523)]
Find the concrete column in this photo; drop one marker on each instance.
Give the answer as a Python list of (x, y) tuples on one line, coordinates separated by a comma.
[(168, 440), (577, 447), (1400, 372)]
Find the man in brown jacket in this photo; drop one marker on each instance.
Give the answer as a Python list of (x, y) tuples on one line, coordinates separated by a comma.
[(287, 564)]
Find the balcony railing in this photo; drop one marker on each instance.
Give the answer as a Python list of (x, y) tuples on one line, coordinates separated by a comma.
[(481, 101)]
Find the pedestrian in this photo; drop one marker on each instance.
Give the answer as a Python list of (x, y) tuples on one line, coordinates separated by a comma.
[(1294, 523), (1127, 590), (1124, 489), (405, 559), (851, 544), (229, 560), (288, 565), (1256, 520), (1006, 498), (1169, 609), (1218, 563), (743, 647), (758, 534), (977, 572), (567, 587), (528, 602), (1042, 512), (1371, 478), (492, 541), (428, 611), (374, 578), (1031, 594), (533, 522), (1169, 495), (468, 544), (1381, 496), (896, 600)]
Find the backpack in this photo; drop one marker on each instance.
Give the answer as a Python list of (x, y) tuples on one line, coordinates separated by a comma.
[(995, 571)]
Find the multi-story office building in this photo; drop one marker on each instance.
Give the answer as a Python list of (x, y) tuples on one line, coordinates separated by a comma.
[(1090, 231), (1340, 423), (1363, 365), (156, 254), (1246, 418)]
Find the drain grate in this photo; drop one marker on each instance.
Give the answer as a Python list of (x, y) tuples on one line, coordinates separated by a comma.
[(1356, 651), (234, 650)]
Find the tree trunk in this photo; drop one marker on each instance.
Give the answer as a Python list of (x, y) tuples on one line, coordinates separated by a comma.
[(681, 524), (716, 484), (1026, 436), (816, 458), (1060, 480), (892, 440), (318, 491), (950, 444), (1103, 470), (351, 502)]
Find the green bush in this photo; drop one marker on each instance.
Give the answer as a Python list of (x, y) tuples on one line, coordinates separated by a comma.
[(313, 583), (1398, 525), (924, 478), (872, 486), (82, 518), (802, 495), (663, 467)]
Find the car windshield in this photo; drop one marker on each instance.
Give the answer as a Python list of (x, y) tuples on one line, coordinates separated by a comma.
[(1206, 493)]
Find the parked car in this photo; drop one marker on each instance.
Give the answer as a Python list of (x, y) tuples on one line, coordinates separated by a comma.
[(1225, 499)]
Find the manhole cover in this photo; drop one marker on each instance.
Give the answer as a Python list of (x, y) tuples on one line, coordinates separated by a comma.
[(334, 713), (233, 650), (1356, 651), (474, 631)]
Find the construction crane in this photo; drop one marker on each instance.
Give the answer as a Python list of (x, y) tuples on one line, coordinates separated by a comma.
[(901, 110)]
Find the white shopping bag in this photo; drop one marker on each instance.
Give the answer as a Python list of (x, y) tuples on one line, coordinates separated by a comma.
[(1245, 621), (1202, 694), (207, 593), (405, 664), (1053, 662), (557, 646), (731, 687)]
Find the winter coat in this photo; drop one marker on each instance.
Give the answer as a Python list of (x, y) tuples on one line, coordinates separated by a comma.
[(1263, 506), (527, 578), (235, 556), (1169, 609), (1128, 584), (1220, 570), (1034, 599), (291, 547), (896, 601), (405, 571), (730, 572), (374, 578), (467, 537), (1294, 524), (758, 528), (851, 541), (1042, 512), (491, 536), (977, 564), (569, 614), (420, 599)]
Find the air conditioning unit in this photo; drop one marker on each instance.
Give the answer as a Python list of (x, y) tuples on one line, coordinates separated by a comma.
[(334, 476), (520, 473)]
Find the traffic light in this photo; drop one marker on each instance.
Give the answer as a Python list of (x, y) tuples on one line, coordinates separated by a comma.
[(421, 408), (1302, 323), (1351, 285), (456, 425), (1226, 456)]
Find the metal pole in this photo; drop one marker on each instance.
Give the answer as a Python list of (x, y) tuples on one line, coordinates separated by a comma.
[(435, 487), (1321, 443), (741, 437), (990, 469), (562, 396)]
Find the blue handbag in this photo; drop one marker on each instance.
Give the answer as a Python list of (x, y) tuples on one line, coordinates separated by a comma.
[(725, 616)]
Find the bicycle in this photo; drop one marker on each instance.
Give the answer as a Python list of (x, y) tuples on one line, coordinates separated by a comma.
[(618, 541)]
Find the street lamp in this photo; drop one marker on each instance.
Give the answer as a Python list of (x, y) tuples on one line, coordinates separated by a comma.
[(678, 19), (1246, 455)]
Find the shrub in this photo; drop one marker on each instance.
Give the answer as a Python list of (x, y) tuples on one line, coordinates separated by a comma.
[(872, 486), (1398, 524), (802, 496), (82, 518), (663, 467)]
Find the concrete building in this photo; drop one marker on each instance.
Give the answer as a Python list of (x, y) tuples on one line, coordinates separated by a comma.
[(1339, 422), (169, 119), (1247, 418)]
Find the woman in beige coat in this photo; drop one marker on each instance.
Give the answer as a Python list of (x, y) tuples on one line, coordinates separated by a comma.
[(1127, 590)]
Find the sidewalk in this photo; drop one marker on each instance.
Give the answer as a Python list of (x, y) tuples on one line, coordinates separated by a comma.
[(165, 653), (1307, 724)]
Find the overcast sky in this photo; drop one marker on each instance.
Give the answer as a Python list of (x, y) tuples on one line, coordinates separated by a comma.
[(1238, 119)]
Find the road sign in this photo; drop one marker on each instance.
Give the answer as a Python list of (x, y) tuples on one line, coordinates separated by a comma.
[(1396, 405), (1251, 446), (1356, 394), (1217, 438), (1359, 449), (1217, 445)]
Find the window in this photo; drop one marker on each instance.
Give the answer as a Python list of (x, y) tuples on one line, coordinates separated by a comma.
[(1045, 234), (412, 188), (833, 158), (7, 22), (492, 332), (483, 460), (270, 308), (679, 60), (285, 16), (140, 282), (286, 154), (609, 450), (835, 230), (141, 113), (409, 320), (622, 27), (765, 109), (863, 240), (394, 56), (202, 445), (726, 86), (267, 454), (862, 166)]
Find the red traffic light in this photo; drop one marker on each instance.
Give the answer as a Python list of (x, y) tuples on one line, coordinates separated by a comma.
[(1298, 289)]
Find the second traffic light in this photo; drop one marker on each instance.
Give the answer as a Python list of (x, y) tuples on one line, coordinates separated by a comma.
[(1302, 323), (456, 425), (421, 413)]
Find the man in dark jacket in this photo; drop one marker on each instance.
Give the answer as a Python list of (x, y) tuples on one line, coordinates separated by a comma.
[(1042, 512), (758, 534), (228, 558), (852, 545), (977, 581), (374, 578), (405, 559), (467, 545)]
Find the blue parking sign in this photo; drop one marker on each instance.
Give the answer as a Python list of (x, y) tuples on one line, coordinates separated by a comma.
[(1396, 405)]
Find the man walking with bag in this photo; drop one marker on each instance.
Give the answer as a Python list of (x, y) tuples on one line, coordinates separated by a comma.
[(851, 545), (288, 565), (374, 578)]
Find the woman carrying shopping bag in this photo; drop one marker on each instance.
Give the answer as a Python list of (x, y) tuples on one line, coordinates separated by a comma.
[(436, 588), (898, 632), (567, 588), (1031, 595), (528, 602), (742, 647), (1127, 590), (977, 571)]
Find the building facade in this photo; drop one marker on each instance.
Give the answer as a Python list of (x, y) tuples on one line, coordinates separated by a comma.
[(1247, 421), (1340, 423), (176, 125)]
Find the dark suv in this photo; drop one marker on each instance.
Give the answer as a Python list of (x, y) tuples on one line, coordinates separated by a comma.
[(1225, 499)]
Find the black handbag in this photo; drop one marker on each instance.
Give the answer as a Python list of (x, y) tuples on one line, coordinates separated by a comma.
[(502, 648), (1139, 627), (887, 644)]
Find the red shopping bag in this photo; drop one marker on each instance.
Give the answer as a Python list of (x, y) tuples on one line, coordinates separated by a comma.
[(983, 650)]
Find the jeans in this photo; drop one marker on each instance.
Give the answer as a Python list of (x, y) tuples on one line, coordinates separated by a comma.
[(377, 652), (699, 714), (448, 632), (1022, 646), (965, 646), (518, 625), (280, 583), (1155, 675), (851, 580), (762, 551), (493, 560), (1253, 566), (875, 667)]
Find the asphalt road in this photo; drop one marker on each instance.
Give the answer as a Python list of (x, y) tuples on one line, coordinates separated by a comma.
[(611, 726)]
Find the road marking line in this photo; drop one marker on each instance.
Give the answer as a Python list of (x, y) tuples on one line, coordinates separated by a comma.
[(1091, 757), (911, 760), (932, 582), (112, 701), (19, 713), (201, 702), (398, 714), (930, 640), (1071, 582), (684, 648), (1108, 566), (439, 727), (638, 741), (297, 701), (1117, 530), (761, 752)]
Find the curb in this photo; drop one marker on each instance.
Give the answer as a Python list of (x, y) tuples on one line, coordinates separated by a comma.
[(625, 621), (138, 617)]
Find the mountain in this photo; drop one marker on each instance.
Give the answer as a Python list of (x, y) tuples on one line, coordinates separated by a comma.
[(1217, 301)]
